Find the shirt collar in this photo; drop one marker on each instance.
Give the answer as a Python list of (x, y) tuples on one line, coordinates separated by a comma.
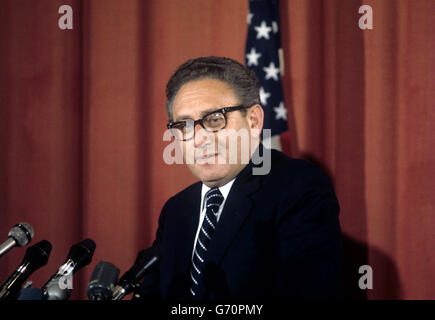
[(225, 190)]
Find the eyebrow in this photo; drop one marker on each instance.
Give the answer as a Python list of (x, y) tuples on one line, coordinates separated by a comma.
[(202, 114)]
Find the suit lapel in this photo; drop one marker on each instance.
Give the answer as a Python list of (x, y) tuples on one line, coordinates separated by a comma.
[(187, 225), (237, 208)]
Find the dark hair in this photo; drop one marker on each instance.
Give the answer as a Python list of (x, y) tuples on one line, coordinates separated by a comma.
[(241, 79)]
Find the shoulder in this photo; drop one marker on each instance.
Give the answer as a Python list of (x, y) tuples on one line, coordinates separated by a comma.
[(188, 194), (292, 172), (300, 188), (292, 182)]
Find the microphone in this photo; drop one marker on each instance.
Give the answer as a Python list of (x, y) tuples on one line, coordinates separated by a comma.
[(31, 293), (36, 256), (145, 260), (19, 235), (103, 281), (59, 286)]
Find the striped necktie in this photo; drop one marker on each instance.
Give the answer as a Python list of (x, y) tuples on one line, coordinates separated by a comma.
[(213, 200)]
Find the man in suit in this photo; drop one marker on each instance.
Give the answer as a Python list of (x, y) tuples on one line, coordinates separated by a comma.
[(237, 234)]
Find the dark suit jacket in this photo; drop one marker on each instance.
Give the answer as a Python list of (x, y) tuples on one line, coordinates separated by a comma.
[(278, 237)]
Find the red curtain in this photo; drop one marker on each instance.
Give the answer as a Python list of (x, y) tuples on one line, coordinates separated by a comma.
[(82, 116)]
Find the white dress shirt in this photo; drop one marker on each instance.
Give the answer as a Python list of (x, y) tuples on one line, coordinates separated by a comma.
[(225, 190)]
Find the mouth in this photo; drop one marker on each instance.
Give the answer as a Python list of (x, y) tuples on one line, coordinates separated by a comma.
[(206, 157)]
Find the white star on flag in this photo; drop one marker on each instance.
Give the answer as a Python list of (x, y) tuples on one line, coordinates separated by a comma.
[(253, 57), (250, 16), (264, 96), (274, 26), (263, 30), (271, 72), (280, 112)]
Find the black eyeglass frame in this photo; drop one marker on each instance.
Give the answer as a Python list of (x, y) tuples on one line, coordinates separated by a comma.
[(223, 110)]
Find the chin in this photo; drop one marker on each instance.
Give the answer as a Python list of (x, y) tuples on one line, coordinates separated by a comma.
[(210, 174)]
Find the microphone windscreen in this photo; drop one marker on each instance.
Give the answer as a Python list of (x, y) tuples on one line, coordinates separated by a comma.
[(146, 259), (82, 253), (103, 281), (31, 293), (22, 233), (38, 254)]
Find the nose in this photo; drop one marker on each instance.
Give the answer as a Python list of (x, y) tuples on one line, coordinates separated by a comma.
[(200, 135)]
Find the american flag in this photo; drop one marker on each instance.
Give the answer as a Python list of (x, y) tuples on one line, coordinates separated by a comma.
[(263, 56)]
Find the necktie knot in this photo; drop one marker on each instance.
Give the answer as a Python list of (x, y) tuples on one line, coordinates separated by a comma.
[(213, 200)]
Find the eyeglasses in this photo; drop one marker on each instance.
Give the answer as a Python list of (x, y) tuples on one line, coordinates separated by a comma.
[(214, 121)]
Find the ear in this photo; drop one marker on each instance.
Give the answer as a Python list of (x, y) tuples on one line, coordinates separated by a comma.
[(256, 118)]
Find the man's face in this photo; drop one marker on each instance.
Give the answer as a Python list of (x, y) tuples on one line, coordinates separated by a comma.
[(210, 150)]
